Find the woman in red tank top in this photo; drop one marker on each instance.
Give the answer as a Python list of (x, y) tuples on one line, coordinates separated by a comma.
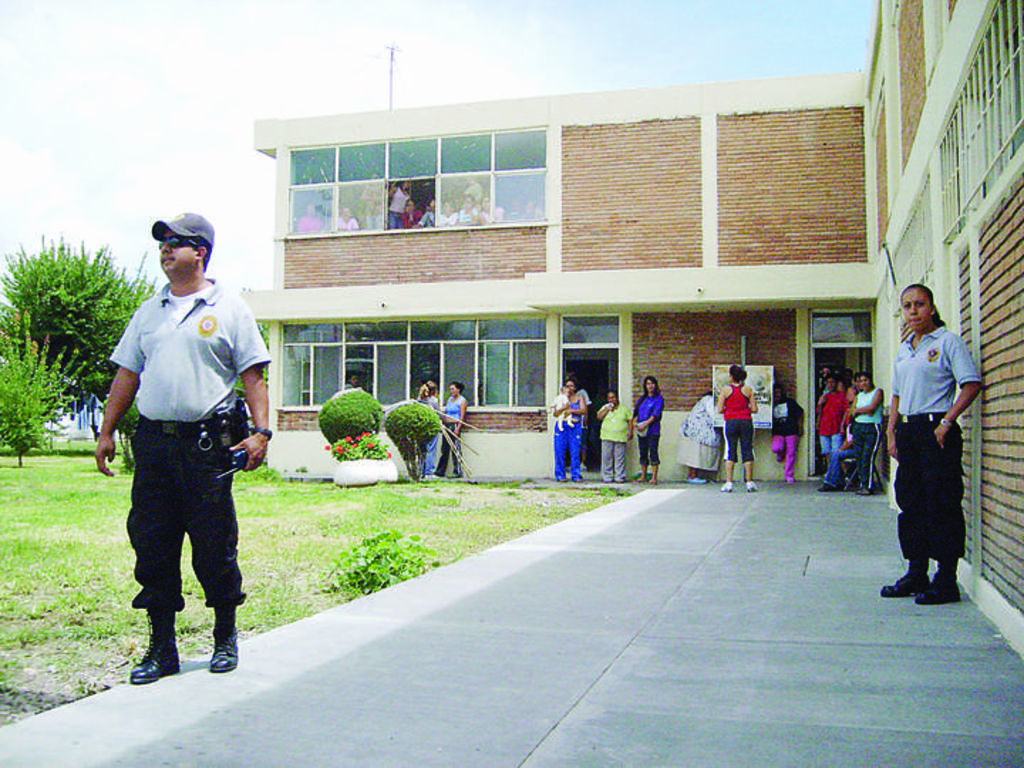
[(737, 404)]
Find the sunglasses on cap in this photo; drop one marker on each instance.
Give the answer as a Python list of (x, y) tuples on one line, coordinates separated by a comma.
[(178, 241)]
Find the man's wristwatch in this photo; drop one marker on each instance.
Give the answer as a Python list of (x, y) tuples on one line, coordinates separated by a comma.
[(947, 422), (267, 433)]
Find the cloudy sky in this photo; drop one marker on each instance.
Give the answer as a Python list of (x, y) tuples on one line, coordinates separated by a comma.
[(113, 114)]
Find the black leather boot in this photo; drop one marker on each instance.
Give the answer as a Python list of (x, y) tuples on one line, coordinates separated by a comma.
[(225, 641), (943, 588), (162, 657), (914, 582)]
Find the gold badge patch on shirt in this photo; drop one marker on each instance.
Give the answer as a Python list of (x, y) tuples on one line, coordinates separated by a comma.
[(933, 355), (207, 326)]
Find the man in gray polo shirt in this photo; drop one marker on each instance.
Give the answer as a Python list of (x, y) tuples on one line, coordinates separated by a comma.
[(179, 360)]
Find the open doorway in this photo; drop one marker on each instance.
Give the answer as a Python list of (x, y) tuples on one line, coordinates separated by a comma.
[(595, 369), (841, 343)]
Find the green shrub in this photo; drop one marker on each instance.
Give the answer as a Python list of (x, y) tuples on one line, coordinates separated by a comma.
[(349, 415), (380, 561), (410, 426)]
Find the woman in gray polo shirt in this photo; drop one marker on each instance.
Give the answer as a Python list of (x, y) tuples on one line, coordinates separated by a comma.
[(928, 444)]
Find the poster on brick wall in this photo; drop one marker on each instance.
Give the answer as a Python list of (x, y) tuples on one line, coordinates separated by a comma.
[(760, 378)]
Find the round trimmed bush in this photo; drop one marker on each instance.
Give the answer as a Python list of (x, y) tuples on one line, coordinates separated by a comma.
[(410, 426), (350, 414)]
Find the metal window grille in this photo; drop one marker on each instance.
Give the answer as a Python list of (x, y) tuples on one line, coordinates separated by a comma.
[(986, 127)]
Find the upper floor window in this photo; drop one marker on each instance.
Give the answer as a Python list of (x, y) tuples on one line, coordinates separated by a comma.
[(451, 181)]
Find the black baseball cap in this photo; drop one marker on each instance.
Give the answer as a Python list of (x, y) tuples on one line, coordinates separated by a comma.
[(185, 225)]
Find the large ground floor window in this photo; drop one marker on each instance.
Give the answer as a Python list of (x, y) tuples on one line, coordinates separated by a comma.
[(500, 362)]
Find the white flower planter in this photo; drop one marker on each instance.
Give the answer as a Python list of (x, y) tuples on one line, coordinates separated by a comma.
[(365, 472), (388, 472), (356, 473)]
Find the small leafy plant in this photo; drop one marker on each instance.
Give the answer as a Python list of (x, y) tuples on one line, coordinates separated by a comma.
[(368, 445), (380, 561)]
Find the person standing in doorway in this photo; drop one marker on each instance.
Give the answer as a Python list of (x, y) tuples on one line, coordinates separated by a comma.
[(925, 439), (568, 410), (832, 407), (787, 427), (179, 360), (737, 403), (866, 413)]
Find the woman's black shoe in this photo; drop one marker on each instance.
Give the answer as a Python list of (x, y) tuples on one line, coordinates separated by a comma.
[(826, 488), (939, 594), (907, 586)]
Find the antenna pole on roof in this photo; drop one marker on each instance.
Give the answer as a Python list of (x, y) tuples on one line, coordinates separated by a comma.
[(393, 49)]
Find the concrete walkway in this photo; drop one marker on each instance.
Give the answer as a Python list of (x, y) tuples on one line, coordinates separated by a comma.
[(678, 627)]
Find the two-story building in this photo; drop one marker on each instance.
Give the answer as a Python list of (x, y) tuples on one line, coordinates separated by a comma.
[(611, 235)]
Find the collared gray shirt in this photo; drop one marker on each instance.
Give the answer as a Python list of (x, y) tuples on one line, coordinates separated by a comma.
[(925, 379), (188, 367)]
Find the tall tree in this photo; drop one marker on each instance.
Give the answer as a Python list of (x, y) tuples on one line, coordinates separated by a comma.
[(32, 392), (79, 301)]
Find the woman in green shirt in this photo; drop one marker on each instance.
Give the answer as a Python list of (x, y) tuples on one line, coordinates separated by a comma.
[(616, 430)]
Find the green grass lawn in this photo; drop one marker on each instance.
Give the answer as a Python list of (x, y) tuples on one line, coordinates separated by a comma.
[(66, 626)]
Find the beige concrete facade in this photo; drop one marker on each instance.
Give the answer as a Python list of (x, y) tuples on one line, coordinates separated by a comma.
[(651, 254)]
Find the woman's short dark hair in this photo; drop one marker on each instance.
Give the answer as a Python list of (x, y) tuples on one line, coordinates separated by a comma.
[(939, 322), (458, 385), (737, 373), (864, 374)]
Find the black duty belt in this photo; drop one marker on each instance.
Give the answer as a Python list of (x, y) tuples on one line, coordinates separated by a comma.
[(189, 430), (926, 418)]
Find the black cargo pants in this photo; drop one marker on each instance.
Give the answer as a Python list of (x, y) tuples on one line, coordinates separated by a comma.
[(177, 491)]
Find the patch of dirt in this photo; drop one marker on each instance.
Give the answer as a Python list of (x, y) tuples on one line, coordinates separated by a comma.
[(16, 704), (37, 686)]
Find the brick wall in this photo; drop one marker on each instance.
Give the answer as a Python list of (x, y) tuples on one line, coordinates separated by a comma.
[(910, 31), (508, 421), (485, 421), (969, 420), (881, 177), (1002, 400), (791, 187), (679, 348), (631, 195), (414, 257)]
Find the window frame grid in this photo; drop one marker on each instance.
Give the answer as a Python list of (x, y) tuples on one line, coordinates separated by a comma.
[(437, 177)]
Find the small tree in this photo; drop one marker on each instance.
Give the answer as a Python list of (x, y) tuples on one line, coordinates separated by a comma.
[(410, 426), (32, 392), (79, 301)]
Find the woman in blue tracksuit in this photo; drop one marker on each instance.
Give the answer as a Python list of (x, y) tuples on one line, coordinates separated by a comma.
[(569, 411)]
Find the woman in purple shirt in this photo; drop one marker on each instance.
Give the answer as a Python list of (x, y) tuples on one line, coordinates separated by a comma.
[(647, 426)]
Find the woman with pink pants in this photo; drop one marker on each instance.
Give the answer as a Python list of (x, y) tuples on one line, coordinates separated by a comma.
[(787, 426)]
